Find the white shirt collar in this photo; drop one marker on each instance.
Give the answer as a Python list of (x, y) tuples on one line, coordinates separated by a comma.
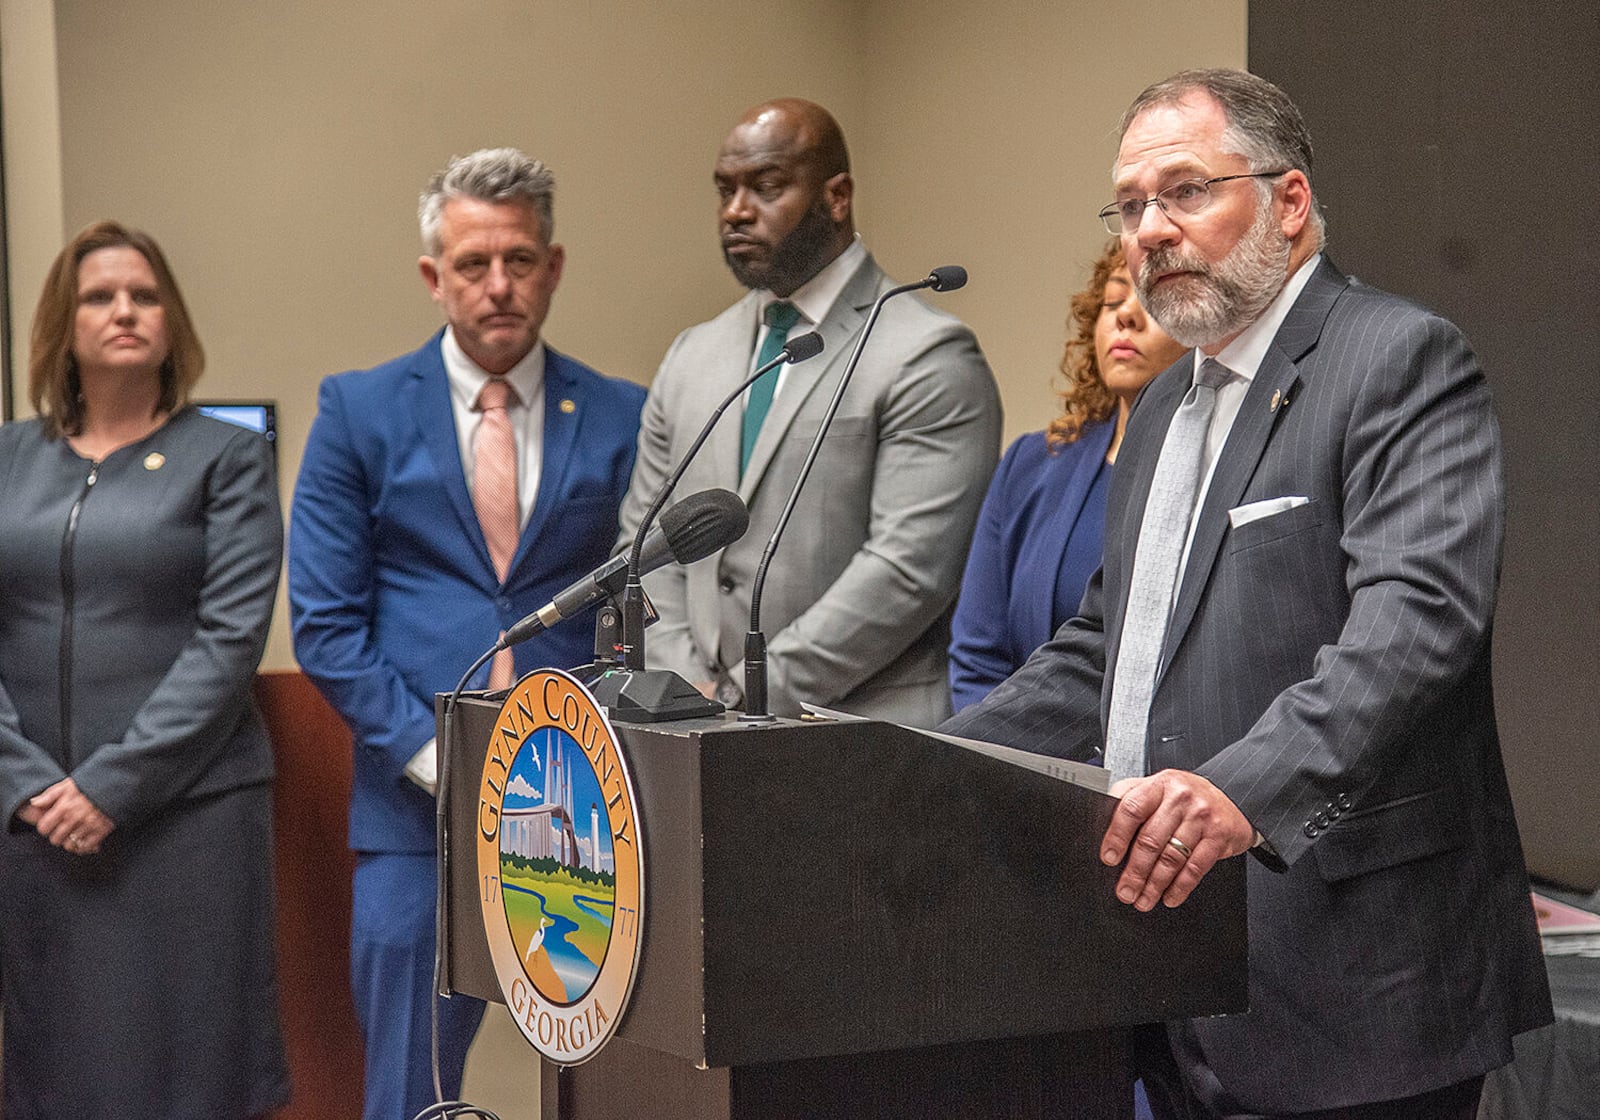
[(467, 378), (1244, 354), (816, 297)]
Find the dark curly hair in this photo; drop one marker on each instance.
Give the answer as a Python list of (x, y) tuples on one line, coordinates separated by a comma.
[(1085, 399)]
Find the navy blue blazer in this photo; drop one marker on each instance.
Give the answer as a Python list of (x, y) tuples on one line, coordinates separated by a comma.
[(391, 590), (1008, 591)]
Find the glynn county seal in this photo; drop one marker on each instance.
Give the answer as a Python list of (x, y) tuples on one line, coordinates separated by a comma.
[(561, 866)]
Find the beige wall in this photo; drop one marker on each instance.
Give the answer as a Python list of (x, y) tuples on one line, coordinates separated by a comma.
[(989, 144), (276, 151), (32, 162)]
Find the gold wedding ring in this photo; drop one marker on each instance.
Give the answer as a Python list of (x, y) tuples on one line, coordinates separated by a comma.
[(1183, 849)]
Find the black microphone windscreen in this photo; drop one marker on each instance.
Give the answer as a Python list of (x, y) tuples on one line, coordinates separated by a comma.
[(808, 345), (702, 523), (948, 278)]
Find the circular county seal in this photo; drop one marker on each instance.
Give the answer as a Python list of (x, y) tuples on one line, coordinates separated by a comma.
[(561, 866)]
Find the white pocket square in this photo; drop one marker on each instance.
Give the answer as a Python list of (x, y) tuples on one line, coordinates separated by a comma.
[(1240, 516)]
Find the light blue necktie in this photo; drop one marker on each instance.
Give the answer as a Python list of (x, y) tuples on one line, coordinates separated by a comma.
[(1168, 510), (780, 317)]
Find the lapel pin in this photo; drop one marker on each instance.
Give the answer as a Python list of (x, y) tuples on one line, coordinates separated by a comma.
[(154, 461), (567, 406)]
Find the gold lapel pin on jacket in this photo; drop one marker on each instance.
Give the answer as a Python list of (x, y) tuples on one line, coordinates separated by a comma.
[(567, 406), (154, 461)]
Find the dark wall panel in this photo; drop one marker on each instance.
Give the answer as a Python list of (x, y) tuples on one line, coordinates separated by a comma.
[(1458, 158)]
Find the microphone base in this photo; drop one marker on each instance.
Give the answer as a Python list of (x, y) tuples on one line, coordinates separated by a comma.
[(761, 719), (586, 675), (651, 696)]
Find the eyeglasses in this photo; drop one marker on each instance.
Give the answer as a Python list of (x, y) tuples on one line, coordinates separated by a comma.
[(1188, 197)]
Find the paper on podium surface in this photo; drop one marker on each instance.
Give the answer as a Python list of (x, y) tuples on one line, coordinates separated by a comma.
[(1097, 778), (832, 713)]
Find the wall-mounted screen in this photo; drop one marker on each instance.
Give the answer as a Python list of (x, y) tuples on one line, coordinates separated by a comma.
[(258, 416)]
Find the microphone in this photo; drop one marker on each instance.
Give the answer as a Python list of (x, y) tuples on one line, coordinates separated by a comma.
[(688, 531), (634, 693), (805, 346), (944, 279)]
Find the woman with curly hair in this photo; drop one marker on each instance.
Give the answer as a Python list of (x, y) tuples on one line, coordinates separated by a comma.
[(1042, 527)]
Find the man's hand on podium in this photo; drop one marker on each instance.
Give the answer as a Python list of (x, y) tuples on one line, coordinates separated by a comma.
[(1173, 827)]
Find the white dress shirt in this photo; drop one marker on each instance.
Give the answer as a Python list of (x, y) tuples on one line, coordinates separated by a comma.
[(467, 379), (527, 415), (1243, 357), (813, 299)]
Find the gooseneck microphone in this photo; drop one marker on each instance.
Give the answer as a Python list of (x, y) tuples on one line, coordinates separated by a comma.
[(805, 346), (945, 279), (688, 531), (634, 693)]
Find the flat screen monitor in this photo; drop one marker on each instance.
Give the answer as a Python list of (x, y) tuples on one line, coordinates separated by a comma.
[(258, 416)]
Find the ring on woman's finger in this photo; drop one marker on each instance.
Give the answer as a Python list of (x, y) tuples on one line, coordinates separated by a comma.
[(1183, 849)]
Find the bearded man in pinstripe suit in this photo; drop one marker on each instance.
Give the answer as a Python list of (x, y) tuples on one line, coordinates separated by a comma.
[(1312, 686)]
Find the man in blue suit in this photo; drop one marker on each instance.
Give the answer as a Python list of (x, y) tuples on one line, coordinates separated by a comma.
[(395, 586)]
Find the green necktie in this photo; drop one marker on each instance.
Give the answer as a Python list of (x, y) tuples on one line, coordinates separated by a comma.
[(781, 316)]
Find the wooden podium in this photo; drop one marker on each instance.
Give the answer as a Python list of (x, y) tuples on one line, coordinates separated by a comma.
[(857, 920)]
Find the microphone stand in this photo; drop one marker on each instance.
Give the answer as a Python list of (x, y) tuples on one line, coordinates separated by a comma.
[(633, 693), (607, 644), (945, 279)]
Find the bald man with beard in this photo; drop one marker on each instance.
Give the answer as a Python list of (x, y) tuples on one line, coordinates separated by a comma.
[(857, 602)]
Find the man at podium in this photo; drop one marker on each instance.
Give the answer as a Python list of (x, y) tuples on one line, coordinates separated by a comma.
[(1287, 647)]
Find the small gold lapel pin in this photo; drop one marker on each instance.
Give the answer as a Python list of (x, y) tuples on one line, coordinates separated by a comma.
[(154, 461), (567, 406)]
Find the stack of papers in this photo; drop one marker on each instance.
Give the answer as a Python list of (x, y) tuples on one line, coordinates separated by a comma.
[(1566, 930)]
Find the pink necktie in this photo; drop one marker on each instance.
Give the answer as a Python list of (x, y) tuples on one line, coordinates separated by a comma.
[(494, 496)]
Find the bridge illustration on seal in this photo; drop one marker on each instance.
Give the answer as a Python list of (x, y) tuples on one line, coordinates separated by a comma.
[(547, 830)]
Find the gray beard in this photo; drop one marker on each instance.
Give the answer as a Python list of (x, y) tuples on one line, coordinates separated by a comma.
[(1233, 292)]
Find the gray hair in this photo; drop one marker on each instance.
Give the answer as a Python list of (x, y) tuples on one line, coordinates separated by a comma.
[(1264, 126), (489, 175)]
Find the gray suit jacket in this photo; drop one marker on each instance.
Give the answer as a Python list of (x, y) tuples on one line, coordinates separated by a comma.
[(1328, 668), (174, 558), (857, 599)]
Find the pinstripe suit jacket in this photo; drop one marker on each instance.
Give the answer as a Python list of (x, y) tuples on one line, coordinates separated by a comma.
[(1328, 668)]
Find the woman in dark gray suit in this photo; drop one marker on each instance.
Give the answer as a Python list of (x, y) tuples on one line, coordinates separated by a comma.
[(139, 558)]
